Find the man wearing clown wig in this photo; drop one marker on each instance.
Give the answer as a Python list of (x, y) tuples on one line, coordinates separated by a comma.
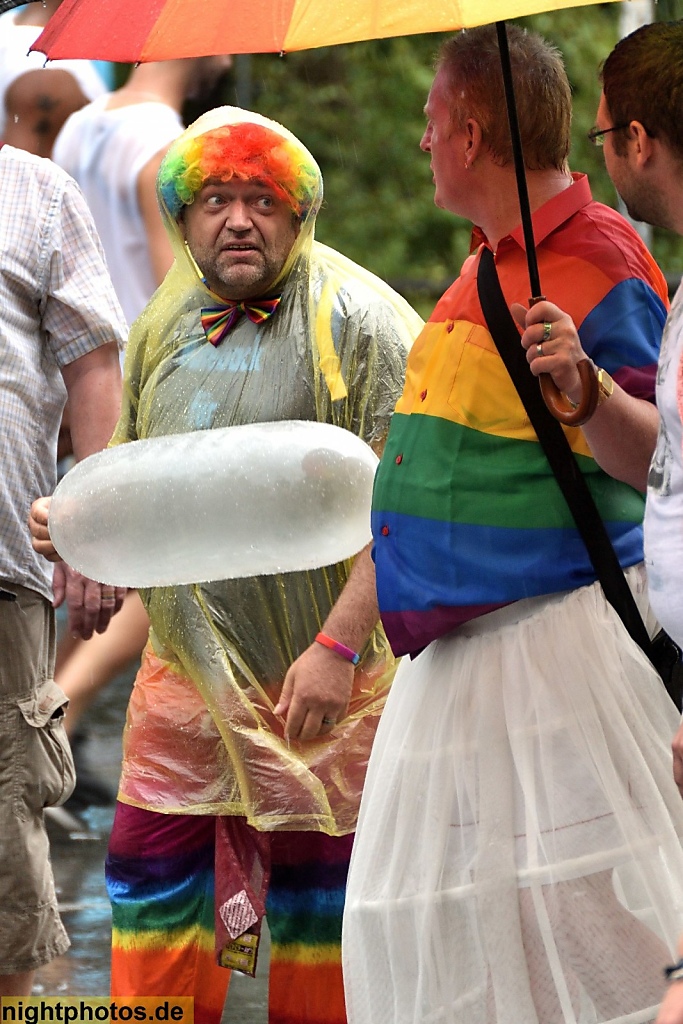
[(247, 738)]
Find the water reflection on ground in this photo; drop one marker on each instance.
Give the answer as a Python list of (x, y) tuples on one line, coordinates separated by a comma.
[(78, 860)]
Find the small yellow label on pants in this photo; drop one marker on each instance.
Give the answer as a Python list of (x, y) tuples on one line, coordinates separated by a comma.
[(240, 954), (74, 1009)]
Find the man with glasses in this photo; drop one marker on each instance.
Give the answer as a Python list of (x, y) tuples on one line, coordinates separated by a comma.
[(641, 112), (640, 124)]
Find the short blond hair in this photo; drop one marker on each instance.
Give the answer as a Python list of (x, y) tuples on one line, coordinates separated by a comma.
[(471, 64)]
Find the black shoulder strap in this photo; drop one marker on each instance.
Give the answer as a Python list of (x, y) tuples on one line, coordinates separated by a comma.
[(556, 447)]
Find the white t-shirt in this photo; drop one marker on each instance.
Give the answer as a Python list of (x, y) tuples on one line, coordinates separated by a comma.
[(15, 59), (664, 507), (105, 150)]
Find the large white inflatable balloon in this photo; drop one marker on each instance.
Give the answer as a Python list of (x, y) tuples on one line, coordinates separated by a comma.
[(216, 504)]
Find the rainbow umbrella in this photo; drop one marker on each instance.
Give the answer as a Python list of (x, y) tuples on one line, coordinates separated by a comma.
[(145, 30), (132, 31)]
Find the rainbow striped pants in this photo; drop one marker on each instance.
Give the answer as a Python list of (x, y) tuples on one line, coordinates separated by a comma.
[(160, 879)]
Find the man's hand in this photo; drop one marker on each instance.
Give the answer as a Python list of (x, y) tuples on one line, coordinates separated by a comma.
[(91, 605), (316, 693), (40, 535), (677, 747), (317, 688), (671, 1010), (560, 352), (622, 432)]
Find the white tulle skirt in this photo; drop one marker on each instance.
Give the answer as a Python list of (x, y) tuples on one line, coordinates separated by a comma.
[(518, 858)]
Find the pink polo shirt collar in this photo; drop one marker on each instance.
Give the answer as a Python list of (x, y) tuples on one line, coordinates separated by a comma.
[(548, 217)]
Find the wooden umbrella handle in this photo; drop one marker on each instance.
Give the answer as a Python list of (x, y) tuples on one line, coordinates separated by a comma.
[(560, 406)]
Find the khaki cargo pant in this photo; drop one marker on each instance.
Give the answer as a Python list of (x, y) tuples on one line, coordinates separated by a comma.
[(36, 771)]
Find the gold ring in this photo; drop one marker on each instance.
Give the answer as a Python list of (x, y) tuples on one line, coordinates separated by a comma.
[(547, 328)]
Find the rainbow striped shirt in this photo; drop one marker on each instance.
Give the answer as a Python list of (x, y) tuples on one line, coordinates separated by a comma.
[(467, 515)]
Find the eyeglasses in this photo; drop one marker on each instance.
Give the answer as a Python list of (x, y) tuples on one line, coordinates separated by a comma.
[(597, 135)]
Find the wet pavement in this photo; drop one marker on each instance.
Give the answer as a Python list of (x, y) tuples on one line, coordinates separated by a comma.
[(78, 859)]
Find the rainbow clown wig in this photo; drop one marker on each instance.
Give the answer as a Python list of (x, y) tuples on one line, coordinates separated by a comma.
[(231, 143)]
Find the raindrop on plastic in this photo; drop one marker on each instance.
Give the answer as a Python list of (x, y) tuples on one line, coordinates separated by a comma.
[(216, 504)]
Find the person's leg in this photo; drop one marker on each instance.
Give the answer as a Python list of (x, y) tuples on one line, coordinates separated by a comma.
[(160, 878), (304, 913), (84, 667), (586, 915), (16, 984), (36, 771)]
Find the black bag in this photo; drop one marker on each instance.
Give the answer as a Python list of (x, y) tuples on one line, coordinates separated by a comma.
[(665, 655), (662, 651)]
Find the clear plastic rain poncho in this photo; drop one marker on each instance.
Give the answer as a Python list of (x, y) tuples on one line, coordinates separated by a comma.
[(201, 736)]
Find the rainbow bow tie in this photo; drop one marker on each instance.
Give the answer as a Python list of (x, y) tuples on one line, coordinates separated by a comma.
[(218, 320)]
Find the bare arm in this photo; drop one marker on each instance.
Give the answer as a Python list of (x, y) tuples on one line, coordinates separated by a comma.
[(622, 432), (318, 685), (160, 252), (93, 384), (671, 1009), (677, 747)]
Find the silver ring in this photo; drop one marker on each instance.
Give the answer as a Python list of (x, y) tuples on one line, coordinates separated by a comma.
[(329, 721), (547, 329), (539, 348)]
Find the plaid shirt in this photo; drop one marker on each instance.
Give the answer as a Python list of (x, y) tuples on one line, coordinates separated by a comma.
[(56, 304)]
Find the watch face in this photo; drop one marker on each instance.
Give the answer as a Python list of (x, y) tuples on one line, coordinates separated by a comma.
[(605, 385)]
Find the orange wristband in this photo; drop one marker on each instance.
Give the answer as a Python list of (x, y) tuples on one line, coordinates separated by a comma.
[(341, 649)]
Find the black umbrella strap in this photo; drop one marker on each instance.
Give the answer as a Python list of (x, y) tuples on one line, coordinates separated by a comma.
[(518, 161), (556, 448)]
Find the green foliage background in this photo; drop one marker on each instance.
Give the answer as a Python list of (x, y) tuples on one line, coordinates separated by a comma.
[(358, 108)]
